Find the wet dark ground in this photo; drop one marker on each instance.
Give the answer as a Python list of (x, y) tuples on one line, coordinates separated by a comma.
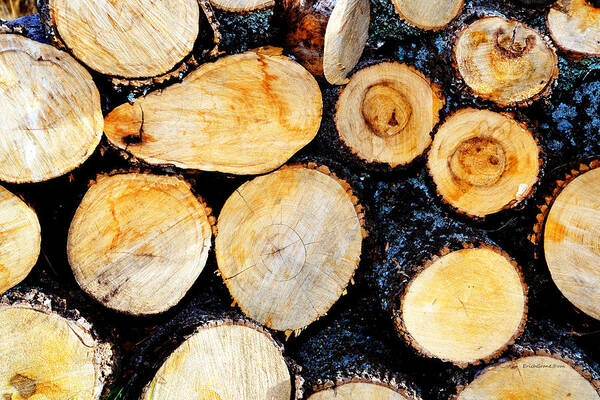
[(403, 212)]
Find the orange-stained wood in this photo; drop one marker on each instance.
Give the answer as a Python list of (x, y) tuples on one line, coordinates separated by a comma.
[(575, 27)]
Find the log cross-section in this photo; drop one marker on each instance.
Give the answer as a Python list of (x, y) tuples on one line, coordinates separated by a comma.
[(575, 26), (288, 244), (360, 390), (138, 242), (428, 14)]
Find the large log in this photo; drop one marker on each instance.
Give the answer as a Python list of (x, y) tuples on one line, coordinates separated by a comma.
[(241, 115), (51, 120), (152, 244), (49, 352), (132, 41), (288, 244), (20, 239)]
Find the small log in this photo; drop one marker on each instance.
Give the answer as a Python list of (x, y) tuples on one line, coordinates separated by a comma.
[(47, 353), (132, 39), (428, 14), (51, 118), (505, 61), (224, 359), (575, 26), (305, 231), (20, 240), (545, 366), (387, 112), (138, 242), (241, 114), (326, 36), (242, 5), (568, 228), (464, 306), (483, 162)]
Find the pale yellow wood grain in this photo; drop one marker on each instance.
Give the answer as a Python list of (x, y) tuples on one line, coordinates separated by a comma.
[(533, 377), (345, 38), (572, 242), (483, 162), (465, 306), (242, 5), (287, 245), (358, 390), (51, 120), (243, 114), (20, 239), (224, 362), (428, 14), (505, 61), (575, 26), (386, 113), (128, 38), (45, 356), (138, 242)]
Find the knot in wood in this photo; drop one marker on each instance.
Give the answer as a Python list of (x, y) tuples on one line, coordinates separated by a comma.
[(385, 110)]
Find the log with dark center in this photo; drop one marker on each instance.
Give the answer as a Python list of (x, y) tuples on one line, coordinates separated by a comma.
[(241, 114), (386, 113), (129, 39), (288, 244), (570, 232), (224, 360), (138, 242), (428, 14), (483, 162), (327, 36), (575, 26), (505, 61), (49, 356), (20, 239), (464, 306), (51, 120)]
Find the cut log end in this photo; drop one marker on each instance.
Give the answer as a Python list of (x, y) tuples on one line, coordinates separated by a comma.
[(288, 244), (241, 114), (241, 6), (429, 14), (226, 360), (45, 355), (20, 240), (128, 38), (51, 111), (360, 390), (152, 243), (386, 113), (572, 242), (465, 307), (575, 26), (531, 377), (345, 38), (505, 61), (483, 162)]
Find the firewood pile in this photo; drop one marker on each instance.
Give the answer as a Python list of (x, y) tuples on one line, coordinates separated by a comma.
[(300, 199)]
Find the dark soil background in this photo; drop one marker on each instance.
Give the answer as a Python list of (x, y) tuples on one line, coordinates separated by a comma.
[(567, 125)]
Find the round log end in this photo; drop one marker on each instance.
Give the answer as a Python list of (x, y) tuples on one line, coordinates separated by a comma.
[(572, 242), (483, 162), (505, 61), (45, 355), (242, 6), (288, 244), (465, 307), (223, 360), (138, 242), (20, 240), (531, 377), (386, 113), (361, 389), (128, 38), (575, 26), (51, 118), (428, 14)]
